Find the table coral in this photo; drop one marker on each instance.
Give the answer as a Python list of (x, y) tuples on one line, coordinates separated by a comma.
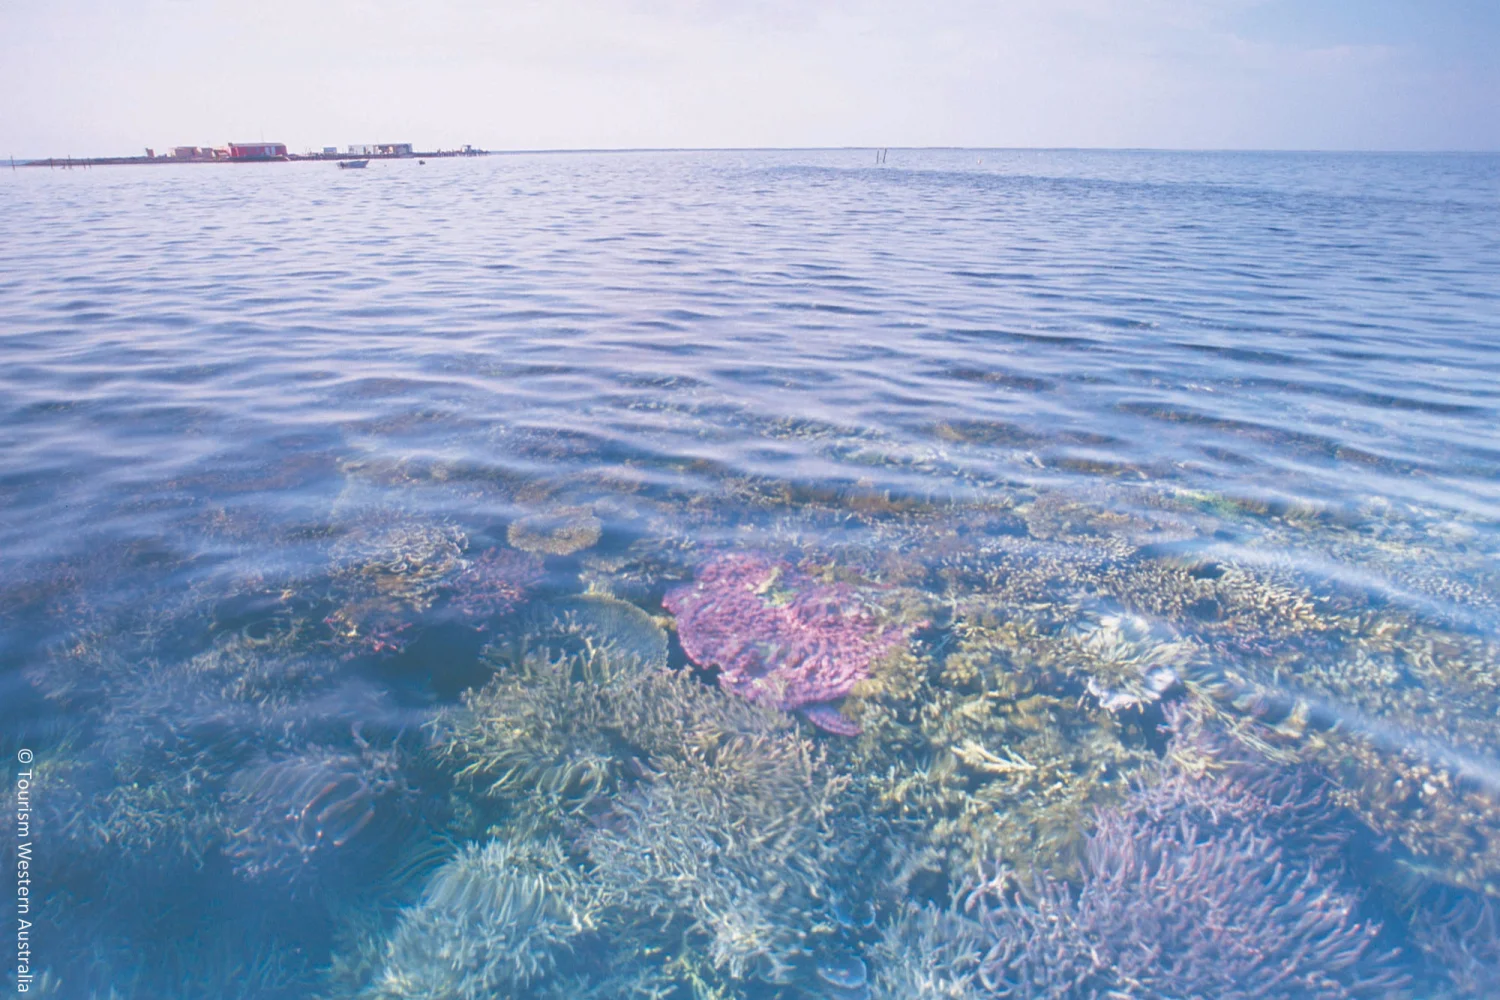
[(780, 638)]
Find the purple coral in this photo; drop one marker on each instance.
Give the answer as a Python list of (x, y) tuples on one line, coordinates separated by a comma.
[(495, 583), (1188, 893), (778, 637)]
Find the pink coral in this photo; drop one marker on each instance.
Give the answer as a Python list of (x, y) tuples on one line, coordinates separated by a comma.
[(778, 637)]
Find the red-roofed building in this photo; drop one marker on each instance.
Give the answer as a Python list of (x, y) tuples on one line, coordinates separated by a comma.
[(257, 150)]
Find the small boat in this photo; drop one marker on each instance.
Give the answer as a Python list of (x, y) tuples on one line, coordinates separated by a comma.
[(353, 164)]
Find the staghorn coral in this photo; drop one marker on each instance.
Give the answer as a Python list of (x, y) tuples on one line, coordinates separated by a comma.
[(493, 921), (266, 663), (928, 953), (596, 622), (539, 735), (288, 813), (740, 840), (1188, 891), (553, 732), (1460, 937), (1403, 723), (1129, 661), (640, 571), (778, 637), (1006, 756), (701, 812), (1394, 697), (388, 574), (404, 563)]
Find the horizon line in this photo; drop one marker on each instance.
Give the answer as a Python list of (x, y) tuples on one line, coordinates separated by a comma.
[(544, 150)]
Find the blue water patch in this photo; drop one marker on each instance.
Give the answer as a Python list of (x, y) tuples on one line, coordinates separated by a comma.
[(754, 574)]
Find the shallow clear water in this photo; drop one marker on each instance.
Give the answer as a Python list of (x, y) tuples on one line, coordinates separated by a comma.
[(1125, 462)]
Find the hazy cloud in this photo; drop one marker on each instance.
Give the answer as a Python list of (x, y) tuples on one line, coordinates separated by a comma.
[(85, 75)]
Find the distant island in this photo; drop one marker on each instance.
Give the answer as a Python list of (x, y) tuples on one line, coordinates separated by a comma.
[(255, 152)]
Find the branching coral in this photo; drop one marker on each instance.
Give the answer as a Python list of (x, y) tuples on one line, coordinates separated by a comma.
[(1127, 661), (1461, 940), (404, 563), (1188, 890), (1006, 755), (596, 622), (493, 921), (928, 953), (287, 813), (698, 810), (741, 838), (494, 584), (1403, 722), (554, 732), (540, 735), (266, 664), (388, 574)]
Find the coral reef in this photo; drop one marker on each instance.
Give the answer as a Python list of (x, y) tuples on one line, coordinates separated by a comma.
[(288, 813), (604, 826), (700, 812), (405, 563), (1130, 662), (540, 735), (387, 574), (1187, 890), (595, 622), (929, 953), (1460, 937), (493, 921), (493, 584), (268, 663), (778, 637), (1402, 718), (739, 841), (559, 532), (1005, 754)]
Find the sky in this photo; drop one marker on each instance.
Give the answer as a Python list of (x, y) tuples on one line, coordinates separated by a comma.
[(97, 77)]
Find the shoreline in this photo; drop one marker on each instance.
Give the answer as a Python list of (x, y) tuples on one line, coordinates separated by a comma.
[(68, 162)]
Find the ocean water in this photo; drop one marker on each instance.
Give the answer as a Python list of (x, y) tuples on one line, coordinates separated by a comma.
[(754, 574)]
